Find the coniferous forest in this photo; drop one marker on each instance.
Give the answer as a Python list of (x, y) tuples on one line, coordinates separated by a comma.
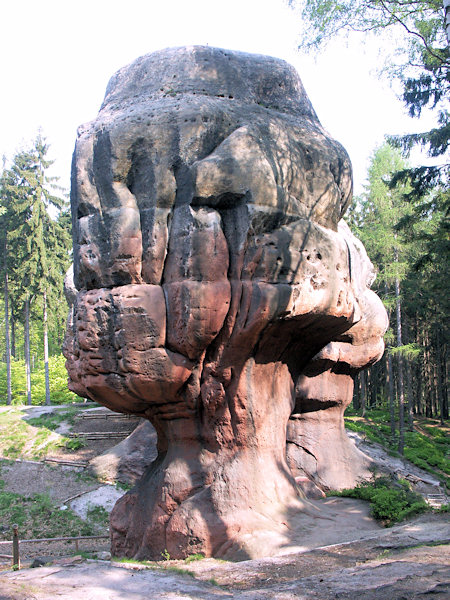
[(403, 215), (35, 241)]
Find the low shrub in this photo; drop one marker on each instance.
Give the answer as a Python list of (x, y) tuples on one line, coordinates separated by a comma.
[(391, 500)]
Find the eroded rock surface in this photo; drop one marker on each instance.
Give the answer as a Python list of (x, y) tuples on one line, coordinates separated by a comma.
[(218, 297)]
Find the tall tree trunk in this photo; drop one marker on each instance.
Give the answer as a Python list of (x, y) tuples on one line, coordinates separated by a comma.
[(372, 376), (401, 394), (446, 390), (410, 396), (27, 349), (409, 389), (419, 390), (446, 4), (362, 375), (390, 373), (13, 335), (428, 379), (356, 394), (47, 377), (7, 340)]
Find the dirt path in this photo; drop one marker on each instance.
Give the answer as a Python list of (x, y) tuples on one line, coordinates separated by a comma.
[(402, 563)]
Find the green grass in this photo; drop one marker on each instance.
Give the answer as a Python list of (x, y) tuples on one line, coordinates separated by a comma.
[(98, 515), (134, 561), (162, 566), (193, 557), (38, 516), (52, 420), (390, 500), (35, 437), (429, 452), (178, 570), (125, 487), (14, 433)]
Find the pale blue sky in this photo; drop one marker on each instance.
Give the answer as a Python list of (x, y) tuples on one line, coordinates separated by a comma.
[(56, 58)]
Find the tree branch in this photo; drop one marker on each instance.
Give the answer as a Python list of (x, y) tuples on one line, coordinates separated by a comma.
[(417, 34)]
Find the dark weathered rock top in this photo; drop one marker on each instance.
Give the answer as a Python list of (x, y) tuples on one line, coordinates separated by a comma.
[(203, 70)]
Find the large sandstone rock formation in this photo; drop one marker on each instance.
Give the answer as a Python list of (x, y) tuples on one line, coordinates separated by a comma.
[(219, 296)]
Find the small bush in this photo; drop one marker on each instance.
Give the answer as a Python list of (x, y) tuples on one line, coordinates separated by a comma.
[(98, 515), (391, 500), (193, 557), (74, 444)]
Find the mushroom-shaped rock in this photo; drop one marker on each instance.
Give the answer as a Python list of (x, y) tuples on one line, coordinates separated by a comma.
[(211, 274)]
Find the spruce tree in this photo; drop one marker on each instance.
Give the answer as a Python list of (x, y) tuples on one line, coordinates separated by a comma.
[(380, 209), (39, 241), (47, 242), (14, 211)]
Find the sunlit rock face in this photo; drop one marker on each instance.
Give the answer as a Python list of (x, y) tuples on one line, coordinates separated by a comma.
[(218, 296)]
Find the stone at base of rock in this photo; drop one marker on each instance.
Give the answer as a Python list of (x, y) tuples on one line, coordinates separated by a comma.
[(127, 461), (308, 488)]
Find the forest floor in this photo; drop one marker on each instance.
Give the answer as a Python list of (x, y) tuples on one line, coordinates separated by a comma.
[(347, 553)]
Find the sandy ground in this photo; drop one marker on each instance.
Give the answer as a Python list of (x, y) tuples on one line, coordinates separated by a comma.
[(402, 563)]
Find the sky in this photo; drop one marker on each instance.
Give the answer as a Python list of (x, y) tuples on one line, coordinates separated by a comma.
[(56, 58)]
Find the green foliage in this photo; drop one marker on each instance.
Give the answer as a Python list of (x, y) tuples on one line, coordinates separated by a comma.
[(52, 420), (373, 219), (418, 28), (35, 242), (194, 557), (421, 66), (391, 500), (429, 452), (165, 554), (45, 255), (74, 444), (18, 383), (59, 392), (426, 453), (98, 515), (409, 351), (39, 516)]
